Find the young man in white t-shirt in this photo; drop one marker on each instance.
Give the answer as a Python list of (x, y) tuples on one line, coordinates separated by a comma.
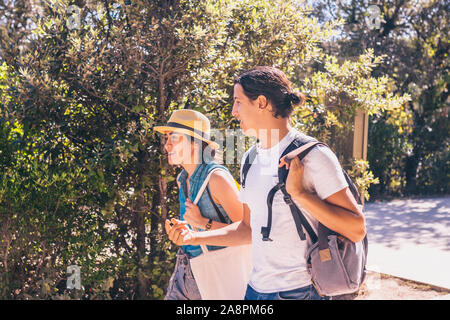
[(263, 102)]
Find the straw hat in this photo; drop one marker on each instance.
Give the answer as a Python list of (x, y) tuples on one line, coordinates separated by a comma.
[(191, 123)]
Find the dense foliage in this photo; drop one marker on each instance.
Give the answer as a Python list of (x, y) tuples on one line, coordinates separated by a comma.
[(408, 148)]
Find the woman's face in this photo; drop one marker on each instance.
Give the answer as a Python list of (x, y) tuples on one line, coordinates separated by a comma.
[(176, 148), (179, 148), (244, 109)]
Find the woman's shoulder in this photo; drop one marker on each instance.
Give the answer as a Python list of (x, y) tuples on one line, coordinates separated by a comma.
[(214, 166), (219, 171), (220, 175)]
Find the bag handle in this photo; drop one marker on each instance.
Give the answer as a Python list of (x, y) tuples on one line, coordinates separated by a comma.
[(198, 196), (221, 216)]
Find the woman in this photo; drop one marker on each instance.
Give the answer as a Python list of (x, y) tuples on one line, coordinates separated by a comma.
[(263, 103), (188, 145)]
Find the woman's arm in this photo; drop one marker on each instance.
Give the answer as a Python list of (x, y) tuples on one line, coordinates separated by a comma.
[(224, 192)]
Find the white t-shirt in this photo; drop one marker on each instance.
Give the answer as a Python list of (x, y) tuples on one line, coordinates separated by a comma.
[(280, 265)]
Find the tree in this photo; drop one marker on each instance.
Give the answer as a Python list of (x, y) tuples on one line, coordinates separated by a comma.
[(408, 148), (94, 93)]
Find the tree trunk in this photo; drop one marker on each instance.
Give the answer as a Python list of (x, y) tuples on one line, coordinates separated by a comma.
[(140, 212), (154, 221), (162, 186), (411, 165)]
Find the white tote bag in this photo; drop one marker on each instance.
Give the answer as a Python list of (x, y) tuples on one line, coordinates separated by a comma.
[(222, 274)]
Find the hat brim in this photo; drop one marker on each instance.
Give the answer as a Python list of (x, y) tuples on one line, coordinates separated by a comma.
[(165, 129)]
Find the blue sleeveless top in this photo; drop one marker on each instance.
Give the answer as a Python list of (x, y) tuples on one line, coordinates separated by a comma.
[(205, 203)]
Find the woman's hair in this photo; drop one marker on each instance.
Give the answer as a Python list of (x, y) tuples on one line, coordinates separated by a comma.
[(207, 154), (274, 85)]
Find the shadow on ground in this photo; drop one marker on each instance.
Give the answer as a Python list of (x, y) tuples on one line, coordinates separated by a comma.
[(418, 221)]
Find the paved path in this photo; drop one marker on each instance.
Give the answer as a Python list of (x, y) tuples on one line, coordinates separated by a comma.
[(410, 239)]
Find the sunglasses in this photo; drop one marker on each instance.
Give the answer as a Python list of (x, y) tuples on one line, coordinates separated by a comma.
[(174, 137)]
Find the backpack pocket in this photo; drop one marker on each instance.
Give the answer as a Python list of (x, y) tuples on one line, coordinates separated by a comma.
[(338, 269)]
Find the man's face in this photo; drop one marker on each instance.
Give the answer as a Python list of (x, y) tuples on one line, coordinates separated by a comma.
[(245, 110)]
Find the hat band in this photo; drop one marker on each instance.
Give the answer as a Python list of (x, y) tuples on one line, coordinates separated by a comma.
[(182, 126)]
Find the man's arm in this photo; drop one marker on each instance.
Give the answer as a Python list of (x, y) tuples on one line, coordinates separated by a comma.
[(235, 234), (339, 211)]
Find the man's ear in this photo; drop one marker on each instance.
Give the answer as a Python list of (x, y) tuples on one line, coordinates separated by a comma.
[(262, 102)]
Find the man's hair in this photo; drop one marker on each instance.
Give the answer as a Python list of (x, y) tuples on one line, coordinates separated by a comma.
[(274, 85)]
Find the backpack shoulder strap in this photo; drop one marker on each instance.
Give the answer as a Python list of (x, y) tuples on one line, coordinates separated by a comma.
[(352, 187), (299, 218), (302, 146), (247, 164), (296, 148)]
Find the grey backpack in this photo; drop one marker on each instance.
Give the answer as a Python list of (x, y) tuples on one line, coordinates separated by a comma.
[(337, 265)]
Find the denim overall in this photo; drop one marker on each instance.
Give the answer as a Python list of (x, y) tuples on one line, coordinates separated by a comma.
[(182, 285)]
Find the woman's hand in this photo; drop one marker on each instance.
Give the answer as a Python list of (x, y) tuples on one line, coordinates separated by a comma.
[(294, 181), (193, 215), (179, 233)]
